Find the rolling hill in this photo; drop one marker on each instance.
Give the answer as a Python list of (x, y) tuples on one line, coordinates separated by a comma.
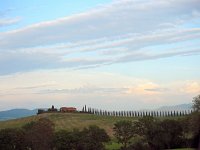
[(68, 121)]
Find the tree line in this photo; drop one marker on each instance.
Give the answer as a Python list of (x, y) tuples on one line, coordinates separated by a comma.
[(150, 133), (161, 113)]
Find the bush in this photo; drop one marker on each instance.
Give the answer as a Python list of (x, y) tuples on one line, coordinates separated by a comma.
[(65, 140), (39, 135), (124, 132), (12, 139), (91, 138)]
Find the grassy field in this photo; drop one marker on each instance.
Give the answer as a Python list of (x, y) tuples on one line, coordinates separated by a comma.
[(69, 121), (183, 149)]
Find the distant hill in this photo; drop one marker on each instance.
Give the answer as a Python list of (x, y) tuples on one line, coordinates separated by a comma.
[(176, 107), (16, 113)]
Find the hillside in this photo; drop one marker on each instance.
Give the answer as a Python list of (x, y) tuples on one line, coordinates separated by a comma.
[(68, 121)]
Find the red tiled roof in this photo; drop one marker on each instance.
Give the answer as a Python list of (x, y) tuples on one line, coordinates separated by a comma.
[(68, 108)]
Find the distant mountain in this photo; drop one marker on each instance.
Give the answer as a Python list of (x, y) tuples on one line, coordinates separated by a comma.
[(176, 107), (16, 113)]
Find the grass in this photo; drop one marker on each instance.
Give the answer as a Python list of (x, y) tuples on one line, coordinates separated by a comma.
[(113, 146), (183, 149), (69, 121)]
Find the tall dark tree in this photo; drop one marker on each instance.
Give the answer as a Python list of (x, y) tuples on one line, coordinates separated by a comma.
[(194, 123), (196, 103), (39, 135), (93, 138), (172, 133), (150, 129), (124, 132)]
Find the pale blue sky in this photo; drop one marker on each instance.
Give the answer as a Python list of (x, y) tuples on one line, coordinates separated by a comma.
[(113, 54)]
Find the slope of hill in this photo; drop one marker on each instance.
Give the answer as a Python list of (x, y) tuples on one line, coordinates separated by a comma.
[(68, 121), (16, 113)]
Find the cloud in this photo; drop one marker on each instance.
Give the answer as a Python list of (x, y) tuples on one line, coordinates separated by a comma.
[(119, 32), (191, 87), (35, 86), (158, 89), (85, 90), (12, 62), (9, 21), (120, 17), (142, 89), (145, 56)]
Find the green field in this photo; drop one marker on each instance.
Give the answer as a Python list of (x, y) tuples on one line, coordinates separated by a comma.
[(69, 121)]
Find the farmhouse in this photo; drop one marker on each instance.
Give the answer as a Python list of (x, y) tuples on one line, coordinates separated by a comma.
[(67, 109)]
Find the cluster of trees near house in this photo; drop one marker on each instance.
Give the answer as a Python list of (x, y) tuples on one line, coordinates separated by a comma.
[(53, 109), (146, 133)]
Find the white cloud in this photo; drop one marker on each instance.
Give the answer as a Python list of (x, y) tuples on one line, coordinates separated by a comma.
[(115, 19)]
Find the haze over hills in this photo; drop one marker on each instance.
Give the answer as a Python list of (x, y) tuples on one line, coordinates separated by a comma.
[(176, 107), (19, 113), (16, 113)]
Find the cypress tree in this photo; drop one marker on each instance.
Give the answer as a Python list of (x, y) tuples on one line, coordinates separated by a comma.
[(83, 109), (100, 112), (157, 113), (183, 113), (171, 114)]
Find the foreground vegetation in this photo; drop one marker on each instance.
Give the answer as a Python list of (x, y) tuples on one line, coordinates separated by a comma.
[(141, 134)]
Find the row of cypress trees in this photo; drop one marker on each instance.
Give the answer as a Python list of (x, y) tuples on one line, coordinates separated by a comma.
[(161, 113)]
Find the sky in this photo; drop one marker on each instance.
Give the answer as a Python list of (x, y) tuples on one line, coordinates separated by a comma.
[(107, 54)]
